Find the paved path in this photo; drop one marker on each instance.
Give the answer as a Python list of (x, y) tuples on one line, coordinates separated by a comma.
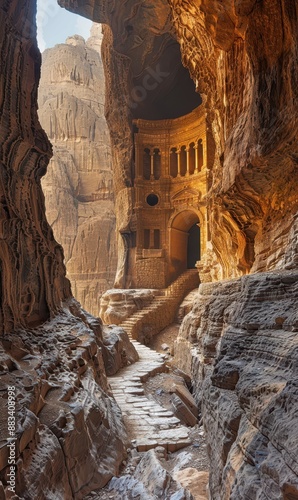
[(148, 423)]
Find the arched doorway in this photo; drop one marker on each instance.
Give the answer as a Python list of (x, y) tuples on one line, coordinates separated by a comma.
[(185, 242)]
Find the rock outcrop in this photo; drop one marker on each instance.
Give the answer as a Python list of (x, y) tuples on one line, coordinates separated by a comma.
[(78, 186), (70, 437), (118, 305), (150, 480), (239, 344)]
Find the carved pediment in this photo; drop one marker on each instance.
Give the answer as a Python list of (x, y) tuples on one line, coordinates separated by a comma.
[(188, 196)]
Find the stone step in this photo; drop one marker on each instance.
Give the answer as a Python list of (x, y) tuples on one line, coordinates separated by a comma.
[(177, 290)]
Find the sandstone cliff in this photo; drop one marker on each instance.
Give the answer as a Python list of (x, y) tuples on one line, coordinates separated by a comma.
[(78, 186), (68, 436)]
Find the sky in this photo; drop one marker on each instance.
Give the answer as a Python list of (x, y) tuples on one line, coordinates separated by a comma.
[(55, 24)]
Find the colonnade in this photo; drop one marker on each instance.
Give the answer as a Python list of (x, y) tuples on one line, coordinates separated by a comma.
[(182, 161)]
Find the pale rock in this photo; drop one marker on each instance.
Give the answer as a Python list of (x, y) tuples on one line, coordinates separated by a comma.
[(78, 186), (117, 305), (194, 481)]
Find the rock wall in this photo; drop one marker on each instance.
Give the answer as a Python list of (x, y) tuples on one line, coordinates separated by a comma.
[(244, 57), (69, 437), (78, 186), (32, 273), (239, 344)]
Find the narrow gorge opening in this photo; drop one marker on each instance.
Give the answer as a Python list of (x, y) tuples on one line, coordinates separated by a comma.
[(78, 186), (70, 111)]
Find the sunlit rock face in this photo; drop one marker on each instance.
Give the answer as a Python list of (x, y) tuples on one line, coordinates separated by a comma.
[(242, 57), (78, 186)]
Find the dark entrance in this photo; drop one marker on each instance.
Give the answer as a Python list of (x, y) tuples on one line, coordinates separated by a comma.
[(193, 246)]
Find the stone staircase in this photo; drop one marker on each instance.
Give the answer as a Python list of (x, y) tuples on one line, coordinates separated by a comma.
[(161, 312)]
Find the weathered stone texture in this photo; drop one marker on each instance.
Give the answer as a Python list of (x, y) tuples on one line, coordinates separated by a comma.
[(69, 431), (118, 305), (244, 57), (78, 186), (150, 480), (32, 274), (239, 344)]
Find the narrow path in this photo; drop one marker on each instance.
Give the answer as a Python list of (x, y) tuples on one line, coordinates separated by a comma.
[(148, 423)]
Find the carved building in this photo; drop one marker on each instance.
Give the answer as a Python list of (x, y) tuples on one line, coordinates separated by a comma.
[(170, 185)]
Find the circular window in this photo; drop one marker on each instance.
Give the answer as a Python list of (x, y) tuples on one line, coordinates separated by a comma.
[(152, 200)]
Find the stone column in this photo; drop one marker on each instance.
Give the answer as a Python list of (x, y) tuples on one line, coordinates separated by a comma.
[(138, 167), (151, 241), (196, 148), (178, 152), (187, 160)]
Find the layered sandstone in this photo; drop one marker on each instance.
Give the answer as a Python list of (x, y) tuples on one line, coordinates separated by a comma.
[(78, 186), (32, 273), (239, 343), (69, 436), (69, 433)]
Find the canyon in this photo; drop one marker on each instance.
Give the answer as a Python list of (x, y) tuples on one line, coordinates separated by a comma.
[(237, 61)]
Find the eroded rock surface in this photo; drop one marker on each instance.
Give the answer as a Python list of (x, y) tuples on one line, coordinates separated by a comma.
[(150, 480), (240, 345), (70, 433), (32, 273), (78, 186), (116, 305)]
